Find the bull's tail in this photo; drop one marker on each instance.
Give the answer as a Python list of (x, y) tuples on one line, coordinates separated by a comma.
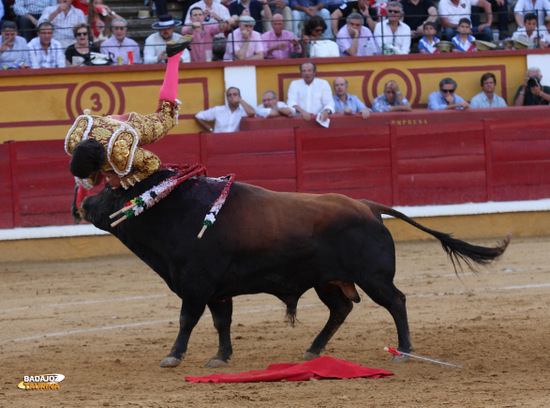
[(456, 249)]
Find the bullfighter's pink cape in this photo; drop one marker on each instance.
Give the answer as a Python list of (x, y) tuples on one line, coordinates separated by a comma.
[(319, 368)]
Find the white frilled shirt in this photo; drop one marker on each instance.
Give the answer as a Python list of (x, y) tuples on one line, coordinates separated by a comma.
[(313, 98), (225, 121)]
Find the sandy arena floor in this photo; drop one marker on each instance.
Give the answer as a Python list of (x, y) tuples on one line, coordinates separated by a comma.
[(106, 323)]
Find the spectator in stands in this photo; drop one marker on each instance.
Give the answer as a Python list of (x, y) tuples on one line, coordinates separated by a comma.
[(313, 30), (1, 14), (451, 11), (545, 35), (529, 31), (45, 51), (64, 17), (354, 39), (426, 45), (539, 7), (244, 43), (279, 7), (303, 10), (119, 47), (203, 33), (339, 16), (500, 9), (154, 50), (27, 13), (346, 103), (417, 13), (258, 10), (79, 53), (532, 92), (391, 100), (14, 52), (391, 35), (446, 98), (226, 118), (464, 41), (272, 107), (212, 9), (100, 17), (279, 43), (488, 98), (310, 96)]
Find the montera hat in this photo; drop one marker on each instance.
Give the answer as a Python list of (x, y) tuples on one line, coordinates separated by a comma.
[(247, 20), (165, 21)]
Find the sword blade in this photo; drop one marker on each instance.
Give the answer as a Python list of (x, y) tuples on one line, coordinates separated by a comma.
[(423, 358)]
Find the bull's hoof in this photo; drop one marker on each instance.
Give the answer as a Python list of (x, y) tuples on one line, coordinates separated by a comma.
[(216, 362), (399, 359), (169, 362), (310, 356)]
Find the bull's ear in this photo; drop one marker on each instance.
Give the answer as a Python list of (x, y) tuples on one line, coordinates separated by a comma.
[(74, 211)]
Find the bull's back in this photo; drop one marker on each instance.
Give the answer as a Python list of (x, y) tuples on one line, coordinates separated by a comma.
[(265, 218)]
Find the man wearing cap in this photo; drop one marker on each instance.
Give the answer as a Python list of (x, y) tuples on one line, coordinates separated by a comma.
[(244, 43), (154, 50)]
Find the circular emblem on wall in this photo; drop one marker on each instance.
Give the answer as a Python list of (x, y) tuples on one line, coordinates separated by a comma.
[(96, 96)]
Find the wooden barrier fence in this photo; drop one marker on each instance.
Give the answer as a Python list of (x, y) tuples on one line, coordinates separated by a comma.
[(474, 160)]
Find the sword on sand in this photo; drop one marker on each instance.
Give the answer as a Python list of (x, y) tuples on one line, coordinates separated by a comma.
[(402, 353)]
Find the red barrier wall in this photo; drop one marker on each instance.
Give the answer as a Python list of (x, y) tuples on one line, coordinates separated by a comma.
[(474, 160)]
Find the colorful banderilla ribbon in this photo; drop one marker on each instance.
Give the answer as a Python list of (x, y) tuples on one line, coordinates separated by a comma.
[(402, 353)]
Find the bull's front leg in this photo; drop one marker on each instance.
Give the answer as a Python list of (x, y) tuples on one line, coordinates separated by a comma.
[(222, 311), (189, 317)]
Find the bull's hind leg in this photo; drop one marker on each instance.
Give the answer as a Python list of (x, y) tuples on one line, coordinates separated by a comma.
[(222, 310), (189, 318), (387, 295), (340, 306)]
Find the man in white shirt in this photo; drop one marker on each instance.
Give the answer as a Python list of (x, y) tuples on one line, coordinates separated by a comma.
[(64, 17), (14, 52), (391, 35), (272, 107), (154, 50), (451, 11), (310, 96), (226, 118), (46, 52)]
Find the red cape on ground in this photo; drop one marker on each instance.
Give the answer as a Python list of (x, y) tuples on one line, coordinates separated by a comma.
[(319, 368)]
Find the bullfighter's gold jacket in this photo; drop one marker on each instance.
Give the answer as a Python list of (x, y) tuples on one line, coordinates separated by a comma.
[(122, 136)]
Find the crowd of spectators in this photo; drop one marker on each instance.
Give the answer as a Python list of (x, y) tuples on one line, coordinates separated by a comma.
[(312, 98), (267, 29)]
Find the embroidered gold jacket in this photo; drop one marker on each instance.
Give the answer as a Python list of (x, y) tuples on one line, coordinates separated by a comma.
[(122, 136)]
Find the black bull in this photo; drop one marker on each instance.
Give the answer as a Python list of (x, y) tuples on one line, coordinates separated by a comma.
[(265, 241)]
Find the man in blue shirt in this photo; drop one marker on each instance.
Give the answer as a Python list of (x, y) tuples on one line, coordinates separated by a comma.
[(346, 103), (445, 98), (391, 100)]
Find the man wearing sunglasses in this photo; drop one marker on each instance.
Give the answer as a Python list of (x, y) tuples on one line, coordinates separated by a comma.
[(391, 35), (446, 97)]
